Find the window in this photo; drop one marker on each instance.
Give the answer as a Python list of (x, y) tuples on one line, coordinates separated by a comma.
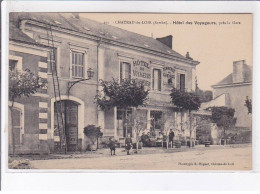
[(157, 79), (77, 65), (182, 82), (13, 65), (123, 127), (125, 71), (52, 60)]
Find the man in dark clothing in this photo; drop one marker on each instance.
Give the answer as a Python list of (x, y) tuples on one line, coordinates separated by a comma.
[(112, 145), (171, 136), (128, 143)]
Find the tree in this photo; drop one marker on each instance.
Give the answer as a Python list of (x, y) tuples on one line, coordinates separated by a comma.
[(139, 123), (129, 93), (248, 104), (204, 95), (93, 133), (22, 83), (184, 100), (223, 117)]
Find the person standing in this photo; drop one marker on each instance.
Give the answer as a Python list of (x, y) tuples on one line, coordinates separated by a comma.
[(171, 137), (128, 143), (112, 145)]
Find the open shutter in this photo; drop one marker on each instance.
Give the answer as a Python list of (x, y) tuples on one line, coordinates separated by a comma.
[(178, 81), (159, 80), (182, 82), (153, 80)]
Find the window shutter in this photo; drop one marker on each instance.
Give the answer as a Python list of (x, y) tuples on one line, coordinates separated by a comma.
[(182, 82), (178, 81), (121, 71), (153, 80), (159, 80), (129, 71)]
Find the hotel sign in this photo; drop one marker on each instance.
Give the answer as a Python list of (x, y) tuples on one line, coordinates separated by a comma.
[(142, 72), (168, 77)]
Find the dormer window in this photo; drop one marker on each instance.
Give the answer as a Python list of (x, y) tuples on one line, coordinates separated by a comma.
[(86, 28), (57, 22), (114, 37)]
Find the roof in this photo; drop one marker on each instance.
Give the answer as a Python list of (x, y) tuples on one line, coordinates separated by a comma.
[(229, 79), (17, 35), (221, 100), (93, 28), (226, 80)]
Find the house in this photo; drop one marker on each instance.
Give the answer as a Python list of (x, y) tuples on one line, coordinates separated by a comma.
[(29, 114), (80, 44), (233, 90)]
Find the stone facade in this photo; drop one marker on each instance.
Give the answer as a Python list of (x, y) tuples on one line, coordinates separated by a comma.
[(105, 55), (236, 87)]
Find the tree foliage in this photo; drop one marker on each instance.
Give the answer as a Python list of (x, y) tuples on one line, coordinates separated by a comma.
[(92, 132), (128, 93), (204, 95), (185, 100), (223, 116), (23, 83)]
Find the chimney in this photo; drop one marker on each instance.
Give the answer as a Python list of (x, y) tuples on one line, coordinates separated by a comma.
[(239, 71), (167, 40)]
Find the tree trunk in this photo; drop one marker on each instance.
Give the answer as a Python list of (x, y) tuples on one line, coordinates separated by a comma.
[(125, 119), (191, 141), (225, 137), (136, 130), (181, 121), (97, 143)]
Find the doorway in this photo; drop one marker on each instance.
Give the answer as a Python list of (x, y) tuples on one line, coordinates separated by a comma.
[(124, 125), (15, 125), (70, 118)]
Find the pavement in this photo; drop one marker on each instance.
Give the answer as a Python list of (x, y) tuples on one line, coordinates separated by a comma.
[(229, 157)]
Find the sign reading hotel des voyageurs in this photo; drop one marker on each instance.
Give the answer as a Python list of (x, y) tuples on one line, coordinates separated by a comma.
[(142, 71)]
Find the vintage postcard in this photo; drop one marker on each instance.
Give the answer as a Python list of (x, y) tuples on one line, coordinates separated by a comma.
[(130, 91)]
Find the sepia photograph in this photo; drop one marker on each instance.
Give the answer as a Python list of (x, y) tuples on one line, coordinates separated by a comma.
[(130, 91)]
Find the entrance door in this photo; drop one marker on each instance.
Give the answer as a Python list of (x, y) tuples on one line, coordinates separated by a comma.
[(70, 116), (15, 127), (71, 125), (124, 122)]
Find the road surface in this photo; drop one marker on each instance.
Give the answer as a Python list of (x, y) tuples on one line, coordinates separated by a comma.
[(217, 159)]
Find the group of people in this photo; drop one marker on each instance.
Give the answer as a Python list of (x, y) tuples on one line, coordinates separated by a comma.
[(128, 143)]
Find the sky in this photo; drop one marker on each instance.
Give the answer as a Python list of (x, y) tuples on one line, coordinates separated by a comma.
[(226, 38)]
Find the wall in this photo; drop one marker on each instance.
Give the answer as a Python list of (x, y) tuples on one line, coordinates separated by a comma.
[(112, 57), (106, 66), (237, 96), (33, 140)]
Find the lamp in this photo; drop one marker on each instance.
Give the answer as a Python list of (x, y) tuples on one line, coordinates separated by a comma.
[(90, 74)]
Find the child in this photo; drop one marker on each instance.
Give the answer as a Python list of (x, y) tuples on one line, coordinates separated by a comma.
[(128, 143), (112, 145)]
